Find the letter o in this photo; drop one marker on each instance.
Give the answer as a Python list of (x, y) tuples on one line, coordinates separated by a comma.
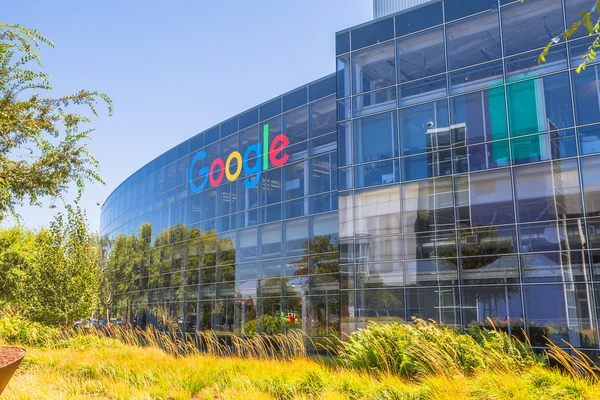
[(237, 156), (213, 181)]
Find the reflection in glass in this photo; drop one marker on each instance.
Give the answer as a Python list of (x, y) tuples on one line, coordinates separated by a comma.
[(500, 304), (560, 313), (373, 68), (548, 191)]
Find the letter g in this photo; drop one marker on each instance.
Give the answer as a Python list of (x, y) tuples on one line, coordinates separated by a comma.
[(203, 171)]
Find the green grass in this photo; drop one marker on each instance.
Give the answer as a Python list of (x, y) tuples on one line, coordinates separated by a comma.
[(417, 361)]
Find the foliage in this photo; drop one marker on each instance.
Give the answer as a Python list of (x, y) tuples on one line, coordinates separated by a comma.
[(90, 366), (267, 324), (51, 275), (425, 348), (42, 145), (15, 329), (591, 23)]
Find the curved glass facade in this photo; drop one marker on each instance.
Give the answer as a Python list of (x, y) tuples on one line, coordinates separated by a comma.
[(441, 173)]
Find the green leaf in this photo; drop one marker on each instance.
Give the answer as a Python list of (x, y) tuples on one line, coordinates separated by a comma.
[(542, 56), (587, 22)]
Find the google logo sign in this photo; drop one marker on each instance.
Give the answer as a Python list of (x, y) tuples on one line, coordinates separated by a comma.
[(220, 169)]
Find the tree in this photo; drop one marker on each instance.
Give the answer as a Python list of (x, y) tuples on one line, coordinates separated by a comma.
[(42, 145), (593, 29), (63, 283)]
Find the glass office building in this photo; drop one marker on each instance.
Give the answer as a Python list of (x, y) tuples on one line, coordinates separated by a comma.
[(440, 173)]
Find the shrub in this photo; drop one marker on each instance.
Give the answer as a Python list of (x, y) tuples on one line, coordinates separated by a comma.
[(17, 330), (426, 348), (267, 324)]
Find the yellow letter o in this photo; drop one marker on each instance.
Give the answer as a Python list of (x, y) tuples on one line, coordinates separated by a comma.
[(238, 157)]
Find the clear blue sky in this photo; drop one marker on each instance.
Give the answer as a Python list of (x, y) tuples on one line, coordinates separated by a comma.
[(176, 68)]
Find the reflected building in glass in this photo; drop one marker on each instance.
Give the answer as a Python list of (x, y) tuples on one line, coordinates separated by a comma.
[(440, 173)]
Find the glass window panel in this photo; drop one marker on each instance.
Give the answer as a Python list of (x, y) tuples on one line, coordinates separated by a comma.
[(342, 43), (567, 266), (270, 187), (344, 139), (484, 198), (500, 304), (547, 146), (374, 102), (473, 40), (427, 205), (373, 33), (344, 109), (321, 88), (378, 211), (294, 178), (540, 105), (381, 305), (525, 66), (373, 68), (323, 203), (343, 76), (295, 124), (479, 77), (489, 269), (560, 313), (247, 137), (478, 117), (440, 304), (270, 269), (323, 173), (590, 171), (322, 117), (551, 236), (488, 241), (270, 240), (481, 157), (589, 139), (229, 127), (419, 167), (423, 90), (593, 233), (324, 235), (421, 55), (294, 99), (247, 119), (380, 173), (531, 25), (587, 95), (424, 128), (386, 248), (296, 236), (419, 18), (380, 275), (295, 208), (375, 138), (548, 191), (346, 214), (455, 9)]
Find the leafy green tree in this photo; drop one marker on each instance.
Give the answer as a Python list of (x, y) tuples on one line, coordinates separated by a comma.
[(63, 283), (42, 145)]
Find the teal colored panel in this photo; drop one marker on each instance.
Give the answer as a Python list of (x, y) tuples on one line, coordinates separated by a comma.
[(525, 106), (497, 106)]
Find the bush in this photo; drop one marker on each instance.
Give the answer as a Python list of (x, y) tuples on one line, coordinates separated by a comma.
[(425, 348), (267, 324), (17, 330)]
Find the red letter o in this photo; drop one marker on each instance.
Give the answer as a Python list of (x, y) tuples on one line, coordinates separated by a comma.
[(220, 163)]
